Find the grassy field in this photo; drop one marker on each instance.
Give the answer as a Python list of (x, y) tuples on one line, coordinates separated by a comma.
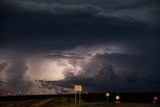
[(68, 102)]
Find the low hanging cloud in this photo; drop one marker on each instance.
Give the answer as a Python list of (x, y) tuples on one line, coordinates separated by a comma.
[(110, 71), (3, 66), (15, 79), (97, 83)]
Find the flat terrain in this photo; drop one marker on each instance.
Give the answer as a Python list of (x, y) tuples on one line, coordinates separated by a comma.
[(88, 100), (69, 102)]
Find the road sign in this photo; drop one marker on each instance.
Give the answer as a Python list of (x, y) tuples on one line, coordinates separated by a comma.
[(78, 88), (117, 97), (107, 94)]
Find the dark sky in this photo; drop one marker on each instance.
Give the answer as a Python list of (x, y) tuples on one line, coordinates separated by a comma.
[(101, 44)]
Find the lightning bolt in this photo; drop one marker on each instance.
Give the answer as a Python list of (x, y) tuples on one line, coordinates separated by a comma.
[(69, 65), (77, 68)]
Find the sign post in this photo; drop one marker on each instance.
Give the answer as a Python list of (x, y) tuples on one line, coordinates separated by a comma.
[(107, 94), (117, 99), (78, 88), (75, 98)]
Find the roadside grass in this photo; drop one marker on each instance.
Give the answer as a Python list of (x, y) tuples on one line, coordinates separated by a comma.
[(104, 105), (69, 102)]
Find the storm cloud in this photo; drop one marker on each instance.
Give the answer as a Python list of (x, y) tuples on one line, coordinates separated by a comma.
[(81, 23), (112, 71), (104, 45)]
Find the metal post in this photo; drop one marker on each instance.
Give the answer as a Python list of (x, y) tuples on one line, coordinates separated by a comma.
[(75, 97), (79, 97)]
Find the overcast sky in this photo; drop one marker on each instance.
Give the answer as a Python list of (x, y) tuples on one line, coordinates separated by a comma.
[(101, 44)]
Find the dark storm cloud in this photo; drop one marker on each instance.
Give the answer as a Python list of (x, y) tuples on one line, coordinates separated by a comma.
[(32, 24), (141, 10), (60, 9), (63, 55), (43, 26), (134, 70)]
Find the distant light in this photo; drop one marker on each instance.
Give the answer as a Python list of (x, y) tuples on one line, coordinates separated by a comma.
[(19, 92), (28, 93), (86, 92), (43, 92), (9, 94), (59, 92)]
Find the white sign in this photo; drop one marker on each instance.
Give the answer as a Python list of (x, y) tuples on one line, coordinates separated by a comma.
[(117, 97), (78, 88), (107, 94)]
